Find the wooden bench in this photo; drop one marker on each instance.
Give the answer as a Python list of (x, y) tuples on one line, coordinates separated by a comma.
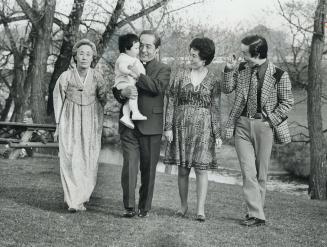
[(27, 135), (7, 140)]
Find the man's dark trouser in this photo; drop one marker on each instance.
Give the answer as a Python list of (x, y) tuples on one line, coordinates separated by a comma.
[(145, 148)]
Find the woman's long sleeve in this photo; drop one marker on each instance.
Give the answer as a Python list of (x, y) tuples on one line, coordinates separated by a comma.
[(102, 89), (59, 96), (172, 98), (215, 111)]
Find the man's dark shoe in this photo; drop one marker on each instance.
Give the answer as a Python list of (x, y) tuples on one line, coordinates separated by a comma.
[(247, 216), (129, 213), (143, 213), (252, 221)]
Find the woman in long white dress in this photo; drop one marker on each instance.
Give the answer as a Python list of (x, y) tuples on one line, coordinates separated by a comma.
[(79, 96)]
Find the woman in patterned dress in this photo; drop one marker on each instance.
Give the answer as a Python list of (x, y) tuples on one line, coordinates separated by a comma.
[(192, 123), (79, 96)]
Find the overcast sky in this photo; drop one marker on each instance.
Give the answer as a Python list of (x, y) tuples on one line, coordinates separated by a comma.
[(229, 13), (226, 13), (233, 12)]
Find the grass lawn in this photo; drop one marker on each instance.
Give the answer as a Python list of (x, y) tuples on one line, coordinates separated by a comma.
[(32, 213)]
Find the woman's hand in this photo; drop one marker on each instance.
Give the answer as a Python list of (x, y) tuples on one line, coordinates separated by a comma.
[(169, 135), (219, 142), (56, 134)]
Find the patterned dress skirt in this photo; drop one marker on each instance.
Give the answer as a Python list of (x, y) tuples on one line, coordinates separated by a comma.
[(193, 144)]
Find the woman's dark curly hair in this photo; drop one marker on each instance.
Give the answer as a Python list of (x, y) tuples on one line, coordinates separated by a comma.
[(206, 49)]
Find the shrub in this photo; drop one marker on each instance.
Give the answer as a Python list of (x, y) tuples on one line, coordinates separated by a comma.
[(294, 157)]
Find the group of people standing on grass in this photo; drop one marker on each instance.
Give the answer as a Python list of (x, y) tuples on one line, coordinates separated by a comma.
[(191, 124)]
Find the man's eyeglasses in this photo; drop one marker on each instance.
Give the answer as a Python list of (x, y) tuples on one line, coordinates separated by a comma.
[(147, 46)]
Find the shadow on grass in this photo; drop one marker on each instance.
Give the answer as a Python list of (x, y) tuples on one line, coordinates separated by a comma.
[(53, 201), (115, 208), (37, 198), (233, 220), (161, 211), (107, 206)]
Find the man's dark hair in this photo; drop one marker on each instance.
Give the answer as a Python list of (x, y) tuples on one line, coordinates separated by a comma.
[(257, 46), (157, 40), (126, 41), (206, 49)]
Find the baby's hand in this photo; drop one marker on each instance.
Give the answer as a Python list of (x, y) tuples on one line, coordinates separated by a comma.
[(135, 70), (132, 74)]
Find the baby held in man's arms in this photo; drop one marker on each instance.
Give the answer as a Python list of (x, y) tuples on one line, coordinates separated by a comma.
[(125, 76)]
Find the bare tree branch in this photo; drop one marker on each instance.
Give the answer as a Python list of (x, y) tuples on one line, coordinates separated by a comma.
[(141, 13), (92, 20), (5, 81), (6, 58), (298, 124), (13, 19), (111, 27), (32, 15), (8, 33), (147, 16), (107, 12), (57, 21), (297, 25), (164, 14), (185, 6), (129, 23), (60, 23), (300, 101)]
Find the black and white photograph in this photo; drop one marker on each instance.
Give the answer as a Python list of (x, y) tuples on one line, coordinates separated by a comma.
[(163, 123)]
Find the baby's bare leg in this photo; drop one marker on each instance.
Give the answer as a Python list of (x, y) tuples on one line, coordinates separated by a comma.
[(125, 119), (136, 114)]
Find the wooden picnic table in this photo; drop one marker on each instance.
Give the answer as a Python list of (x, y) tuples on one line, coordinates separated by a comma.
[(27, 135)]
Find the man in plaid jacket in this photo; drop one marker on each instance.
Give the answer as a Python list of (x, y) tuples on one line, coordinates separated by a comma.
[(256, 119)]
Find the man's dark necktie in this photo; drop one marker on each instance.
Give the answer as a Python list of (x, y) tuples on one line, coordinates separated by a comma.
[(253, 93)]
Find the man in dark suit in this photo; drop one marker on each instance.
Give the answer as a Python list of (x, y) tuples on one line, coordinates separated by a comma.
[(143, 142), (263, 98)]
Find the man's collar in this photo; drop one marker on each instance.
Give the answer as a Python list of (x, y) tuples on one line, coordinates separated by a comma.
[(257, 66), (263, 63), (147, 63)]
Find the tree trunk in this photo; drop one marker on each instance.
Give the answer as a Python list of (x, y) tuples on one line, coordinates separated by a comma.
[(69, 39), (110, 29), (40, 53), (6, 109), (29, 74), (318, 165), (18, 88)]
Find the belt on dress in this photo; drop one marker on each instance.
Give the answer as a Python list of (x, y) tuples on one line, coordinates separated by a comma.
[(258, 115), (198, 104)]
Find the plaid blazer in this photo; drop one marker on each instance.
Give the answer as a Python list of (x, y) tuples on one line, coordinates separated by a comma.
[(276, 99)]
